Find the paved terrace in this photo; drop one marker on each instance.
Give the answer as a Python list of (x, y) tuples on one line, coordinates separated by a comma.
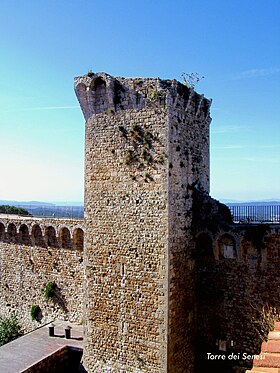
[(24, 352)]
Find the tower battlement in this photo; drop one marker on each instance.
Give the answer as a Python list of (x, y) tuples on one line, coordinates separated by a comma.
[(100, 92)]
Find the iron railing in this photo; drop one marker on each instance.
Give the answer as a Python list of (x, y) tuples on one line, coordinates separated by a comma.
[(255, 213), (240, 213)]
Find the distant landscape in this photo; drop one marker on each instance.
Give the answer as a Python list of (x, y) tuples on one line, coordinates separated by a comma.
[(266, 202), (266, 210), (73, 210)]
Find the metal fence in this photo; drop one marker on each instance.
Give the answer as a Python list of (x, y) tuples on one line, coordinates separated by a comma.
[(240, 213), (256, 213)]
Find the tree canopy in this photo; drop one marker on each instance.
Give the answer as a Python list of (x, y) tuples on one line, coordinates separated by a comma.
[(6, 209)]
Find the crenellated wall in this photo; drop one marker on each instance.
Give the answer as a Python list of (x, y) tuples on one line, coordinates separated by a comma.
[(34, 252)]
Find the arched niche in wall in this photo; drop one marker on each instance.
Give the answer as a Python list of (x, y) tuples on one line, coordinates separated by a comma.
[(2, 232), (227, 247), (12, 233), (204, 246), (98, 95), (65, 238), (78, 239), (37, 236), (50, 237), (248, 250), (24, 237)]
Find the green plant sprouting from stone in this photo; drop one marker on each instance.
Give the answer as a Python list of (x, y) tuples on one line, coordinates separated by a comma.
[(156, 95), (34, 312), (50, 290), (191, 79), (142, 152), (131, 157), (90, 73), (123, 131), (136, 133), (140, 360)]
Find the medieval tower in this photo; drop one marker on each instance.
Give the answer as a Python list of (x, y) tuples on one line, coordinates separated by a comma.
[(163, 279), (147, 144)]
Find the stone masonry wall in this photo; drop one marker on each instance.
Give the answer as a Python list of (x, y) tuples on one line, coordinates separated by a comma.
[(237, 291), (146, 143), (188, 167), (126, 246), (26, 267)]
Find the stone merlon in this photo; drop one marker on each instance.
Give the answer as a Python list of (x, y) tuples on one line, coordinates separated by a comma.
[(100, 92)]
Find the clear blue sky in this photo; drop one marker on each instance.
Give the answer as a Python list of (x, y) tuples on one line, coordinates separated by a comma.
[(44, 44)]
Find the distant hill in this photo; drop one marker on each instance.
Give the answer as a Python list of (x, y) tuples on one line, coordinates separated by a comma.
[(48, 209), (252, 203), (29, 203)]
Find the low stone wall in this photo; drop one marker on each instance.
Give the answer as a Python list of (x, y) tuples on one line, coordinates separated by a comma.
[(65, 360), (26, 269)]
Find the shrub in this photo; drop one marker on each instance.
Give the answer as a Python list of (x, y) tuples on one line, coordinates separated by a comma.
[(35, 311), (9, 329), (50, 290), (190, 80)]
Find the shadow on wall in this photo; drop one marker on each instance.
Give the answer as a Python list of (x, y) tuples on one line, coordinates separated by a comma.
[(65, 360), (60, 299), (237, 288)]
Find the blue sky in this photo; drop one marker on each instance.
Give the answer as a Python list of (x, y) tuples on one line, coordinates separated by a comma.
[(44, 44)]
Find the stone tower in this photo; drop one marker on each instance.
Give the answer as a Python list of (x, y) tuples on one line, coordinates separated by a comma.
[(147, 149)]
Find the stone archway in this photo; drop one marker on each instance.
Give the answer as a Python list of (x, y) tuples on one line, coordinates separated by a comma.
[(37, 236), (50, 237), (65, 238), (2, 231), (12, 233), (78, 239), (24, 237), (99, 96), (227, 247)]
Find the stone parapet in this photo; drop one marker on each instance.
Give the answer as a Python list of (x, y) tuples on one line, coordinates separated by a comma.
[(34, 252)]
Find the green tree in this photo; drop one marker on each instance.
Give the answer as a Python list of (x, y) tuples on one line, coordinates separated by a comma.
[(6, 209)]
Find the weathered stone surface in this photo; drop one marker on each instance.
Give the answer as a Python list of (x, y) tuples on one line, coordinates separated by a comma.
[(32, 255), (147, 142), (237, 291)]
